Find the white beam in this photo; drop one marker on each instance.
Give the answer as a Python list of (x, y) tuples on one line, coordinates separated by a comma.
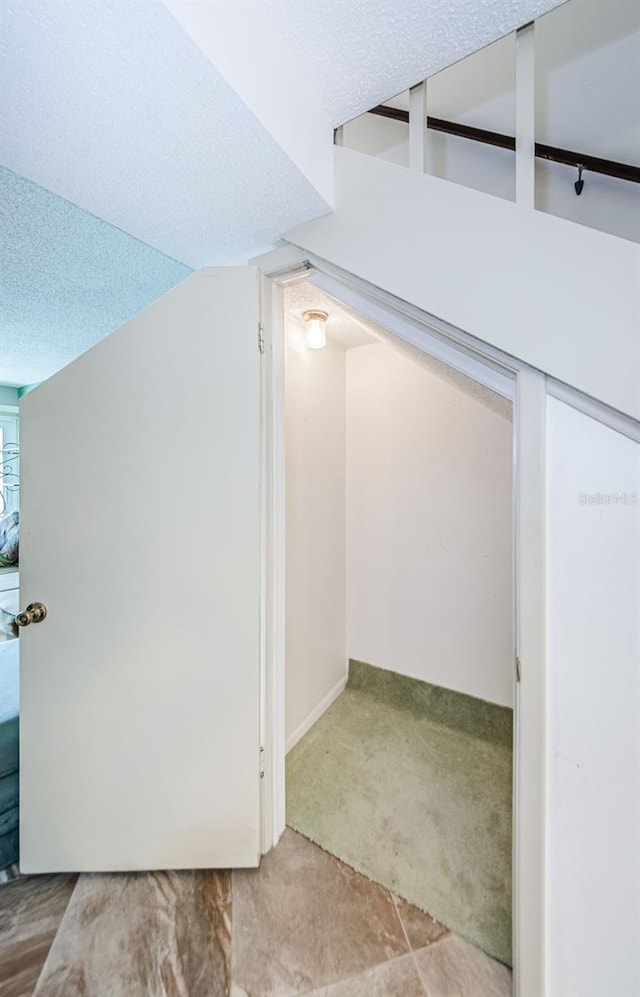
[(530, 775), (525, 116), (418, 127)]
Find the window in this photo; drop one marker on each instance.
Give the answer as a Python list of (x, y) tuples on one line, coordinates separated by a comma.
[(9, 463)]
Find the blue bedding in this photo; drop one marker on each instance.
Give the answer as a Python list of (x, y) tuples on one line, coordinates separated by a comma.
[(9, 538)]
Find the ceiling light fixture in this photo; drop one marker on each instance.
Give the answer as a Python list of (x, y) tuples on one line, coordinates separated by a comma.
[(315, 335)]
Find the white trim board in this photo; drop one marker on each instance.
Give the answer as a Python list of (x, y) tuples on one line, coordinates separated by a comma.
[(275, 274), (532, 390), (595, 409), (483, 363), (315, 714), (530, 687), (305, 264), (423, 333)]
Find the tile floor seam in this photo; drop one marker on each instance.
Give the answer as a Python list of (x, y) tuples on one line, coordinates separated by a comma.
[(360, 973), (399, 916), (401, 955), (344, 794), (93, 929), (54, 939), (33, 909), (413, 955), (414, 952), (440, 941), (436, 941), (462, 953)]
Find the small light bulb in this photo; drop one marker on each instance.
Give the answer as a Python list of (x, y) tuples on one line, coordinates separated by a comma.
[(315, 335)]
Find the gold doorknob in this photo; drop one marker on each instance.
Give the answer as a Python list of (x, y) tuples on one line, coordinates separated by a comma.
[(34, 613)]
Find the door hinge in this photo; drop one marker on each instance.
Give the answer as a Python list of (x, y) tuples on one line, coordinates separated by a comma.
[(261, 762), (518, 673), (260, 337)]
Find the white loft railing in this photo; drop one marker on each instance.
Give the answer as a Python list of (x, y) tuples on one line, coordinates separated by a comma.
[(595, 190)]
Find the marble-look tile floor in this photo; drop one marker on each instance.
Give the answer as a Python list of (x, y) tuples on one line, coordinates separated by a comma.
[(302, 924), (31, 909)]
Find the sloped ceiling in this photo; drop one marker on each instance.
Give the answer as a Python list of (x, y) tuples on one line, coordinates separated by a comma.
[(114, 107), (358, 53), (344, 327), (349, 330), (66, 280)]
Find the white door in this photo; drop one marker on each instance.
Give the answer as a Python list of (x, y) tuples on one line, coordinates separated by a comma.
[(141, 535)]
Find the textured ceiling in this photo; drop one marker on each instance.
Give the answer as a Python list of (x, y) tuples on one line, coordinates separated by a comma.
[(67, 279), (358, 53), (344, 327), (349, 329), (113, 107)]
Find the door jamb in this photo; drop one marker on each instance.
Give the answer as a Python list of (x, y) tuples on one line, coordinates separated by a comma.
[(289, 264)]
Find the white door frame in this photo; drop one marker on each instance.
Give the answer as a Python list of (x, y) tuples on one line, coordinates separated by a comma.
[(528, 389)]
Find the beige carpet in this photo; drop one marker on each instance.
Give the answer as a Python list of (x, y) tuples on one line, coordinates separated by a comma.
[(411, 785)]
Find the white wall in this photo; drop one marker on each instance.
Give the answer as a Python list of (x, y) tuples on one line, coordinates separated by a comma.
[(593, 600), (429, 527), (562, 297), (315, 649), (587, 100), (266, 76), (8, 395), (479, 91), (378, 136)]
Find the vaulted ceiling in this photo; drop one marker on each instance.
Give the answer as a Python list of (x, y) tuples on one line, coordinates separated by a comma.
[(201, 130)]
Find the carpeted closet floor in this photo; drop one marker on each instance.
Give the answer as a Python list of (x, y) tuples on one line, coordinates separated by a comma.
[(411, 784)]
